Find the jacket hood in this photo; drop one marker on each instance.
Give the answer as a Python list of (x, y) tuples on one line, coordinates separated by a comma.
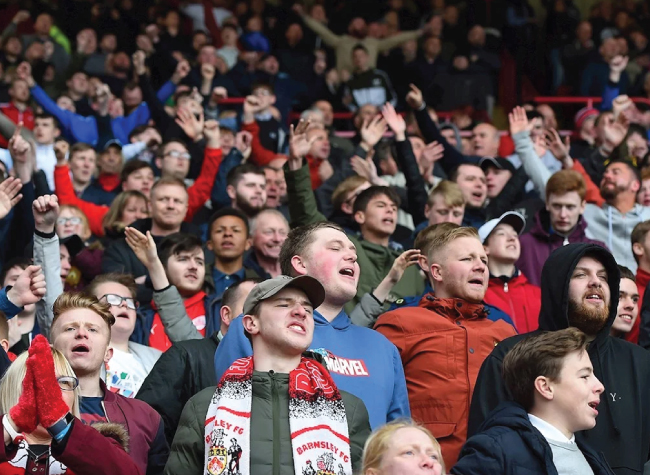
[(340, 322), (459, 141), (556, 276), (113, 431), (542, 226)]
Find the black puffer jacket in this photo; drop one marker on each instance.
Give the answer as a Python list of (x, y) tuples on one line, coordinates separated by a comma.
[(622, 431), (182, 371)]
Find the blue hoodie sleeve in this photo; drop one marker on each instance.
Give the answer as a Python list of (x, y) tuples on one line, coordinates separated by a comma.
[(234, 345), (609, 94), (122, 126), (399, 406), (8, 308), (219, 196), (166, 91)]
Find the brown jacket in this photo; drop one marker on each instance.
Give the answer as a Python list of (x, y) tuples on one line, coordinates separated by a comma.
[(443, 343)]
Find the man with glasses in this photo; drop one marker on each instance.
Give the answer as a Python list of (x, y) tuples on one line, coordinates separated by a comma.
[(131, 362), (81, 330)]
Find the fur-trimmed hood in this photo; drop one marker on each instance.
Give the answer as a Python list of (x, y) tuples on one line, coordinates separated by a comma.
[(113, 431)]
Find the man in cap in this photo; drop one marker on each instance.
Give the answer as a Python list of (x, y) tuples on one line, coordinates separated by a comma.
[(508, 288), (277, 403)]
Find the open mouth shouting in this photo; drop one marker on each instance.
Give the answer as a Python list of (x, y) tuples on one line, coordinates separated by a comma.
[(298, 327), (348, 272), (594, 406), (80, 349)]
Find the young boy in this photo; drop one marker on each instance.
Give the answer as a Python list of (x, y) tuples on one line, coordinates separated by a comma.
[(508, 287), (555, 394), (628, 304)]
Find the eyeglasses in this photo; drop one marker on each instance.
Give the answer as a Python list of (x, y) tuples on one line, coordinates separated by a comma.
[(63, 221), (177, 154), (68, 383), (116, 301)]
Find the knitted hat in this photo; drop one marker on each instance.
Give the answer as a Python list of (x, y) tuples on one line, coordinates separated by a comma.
[(583, 114)]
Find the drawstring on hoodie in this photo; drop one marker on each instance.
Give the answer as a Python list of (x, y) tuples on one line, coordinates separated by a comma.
[(610, 226)]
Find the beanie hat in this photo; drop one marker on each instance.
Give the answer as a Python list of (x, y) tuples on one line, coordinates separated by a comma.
[(583, 114)]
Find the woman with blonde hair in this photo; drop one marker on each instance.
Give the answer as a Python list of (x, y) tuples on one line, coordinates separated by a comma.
[(402, 447), (127, 207), (39, 399)]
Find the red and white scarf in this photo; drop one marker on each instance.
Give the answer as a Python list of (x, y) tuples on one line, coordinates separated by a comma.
[(319, 429)]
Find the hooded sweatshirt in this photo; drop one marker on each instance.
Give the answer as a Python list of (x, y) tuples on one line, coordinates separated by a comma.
[(360, 360), (622, 431)]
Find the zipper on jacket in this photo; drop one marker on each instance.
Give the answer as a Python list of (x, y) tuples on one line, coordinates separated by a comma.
[(105, 413), (275, 401), (505, 286)]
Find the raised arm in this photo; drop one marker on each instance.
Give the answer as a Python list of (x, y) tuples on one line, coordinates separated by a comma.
[(330, 38), (199, 192)]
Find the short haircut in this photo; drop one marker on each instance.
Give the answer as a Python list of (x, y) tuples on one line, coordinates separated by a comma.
[(566, 181), (440, 236), (237, 174), (80, 147), (635, 171), (22, 262), (176, 243), (367, 195), (379, 442), (360, 46), (297, 242), (132, 166), (113, 277), (273, 211), (138, 130), (168, 180), (228, 212), (626, 273), (231, 294), (638, 235), (450, 192), (263, 85), (645, 174), (46, 115), (346, 186), (541, 354), (160, 153), (453, 175), (74, 300), (423, 240)]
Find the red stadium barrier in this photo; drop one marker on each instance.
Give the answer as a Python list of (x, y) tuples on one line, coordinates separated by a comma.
[(588, 101)]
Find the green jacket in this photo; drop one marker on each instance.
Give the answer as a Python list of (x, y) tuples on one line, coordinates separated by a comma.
[(375, 261), (270, 454)]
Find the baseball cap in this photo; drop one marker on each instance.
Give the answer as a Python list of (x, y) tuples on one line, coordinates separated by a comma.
[(498, 162), (73, 243), (268, 288), (514, 219), (113, 143)]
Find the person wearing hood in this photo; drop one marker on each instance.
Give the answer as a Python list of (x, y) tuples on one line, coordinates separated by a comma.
[(558, 224), (443, 341), (555, 394), (508, 287), (580, 288)]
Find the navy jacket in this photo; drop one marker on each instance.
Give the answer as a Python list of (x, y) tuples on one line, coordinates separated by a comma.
[(508, 444)]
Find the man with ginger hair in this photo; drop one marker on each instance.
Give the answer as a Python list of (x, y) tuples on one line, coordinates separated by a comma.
[(443, 341)]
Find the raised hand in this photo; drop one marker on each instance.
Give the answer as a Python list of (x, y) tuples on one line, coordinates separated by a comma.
[(212, 134), (372, 131), (29, 287), (395, 121), (554, 144), (19, 148), (615, 132), (414, 98), (61, 149), (299, 144), (182, 70), (20, 17), (45, 209), (243, 141), (218, 93), (252, 105), (142, 246), (433, 152), (519, 121), (325, 170), (139, 58), (191, 125), (403, 262), (208, 71), (9, 195)]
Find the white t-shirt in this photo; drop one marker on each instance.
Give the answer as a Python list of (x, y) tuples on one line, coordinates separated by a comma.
[(124, 374)]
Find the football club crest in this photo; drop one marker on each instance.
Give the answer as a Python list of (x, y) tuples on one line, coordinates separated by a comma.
[(218, 454)]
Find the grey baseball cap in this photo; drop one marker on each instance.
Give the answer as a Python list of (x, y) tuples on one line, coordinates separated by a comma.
[(268, 288)]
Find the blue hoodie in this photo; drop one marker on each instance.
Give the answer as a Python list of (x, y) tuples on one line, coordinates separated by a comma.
[(361, 361)]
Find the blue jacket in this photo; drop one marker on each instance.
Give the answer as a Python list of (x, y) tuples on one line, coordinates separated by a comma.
[(361, 361), (78, 128), (146, 314), (494, 313), (94, 193), (508, 444)]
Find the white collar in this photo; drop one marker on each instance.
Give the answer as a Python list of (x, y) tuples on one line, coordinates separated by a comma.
[(549, 431)]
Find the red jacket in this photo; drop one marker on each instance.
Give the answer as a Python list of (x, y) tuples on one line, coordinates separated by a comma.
[(16, 115), (198, 193), (85, 452), (642, 280), (518, 298), (442, 343)]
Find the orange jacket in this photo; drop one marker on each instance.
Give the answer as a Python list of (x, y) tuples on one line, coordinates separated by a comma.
[(442, 343)]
